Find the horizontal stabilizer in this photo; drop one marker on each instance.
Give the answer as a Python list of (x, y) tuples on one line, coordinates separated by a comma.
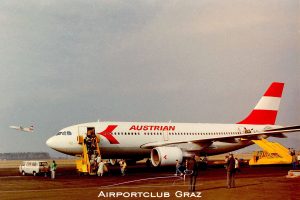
[(284, 129)]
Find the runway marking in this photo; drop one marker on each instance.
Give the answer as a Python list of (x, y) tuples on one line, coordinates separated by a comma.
[(150, 186), (143, 179)]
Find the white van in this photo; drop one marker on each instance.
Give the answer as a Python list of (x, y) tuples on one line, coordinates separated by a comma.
[(34, 167)]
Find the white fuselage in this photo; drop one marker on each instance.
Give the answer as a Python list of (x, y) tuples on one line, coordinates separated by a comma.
[(167, 142), (126, 139)]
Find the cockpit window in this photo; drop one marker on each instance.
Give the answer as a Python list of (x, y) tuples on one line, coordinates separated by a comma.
[(59, 133), (64, 133), (69, 133)]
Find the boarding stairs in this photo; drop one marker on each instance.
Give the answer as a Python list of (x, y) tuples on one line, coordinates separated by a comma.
[(273, 153), (84, 165)]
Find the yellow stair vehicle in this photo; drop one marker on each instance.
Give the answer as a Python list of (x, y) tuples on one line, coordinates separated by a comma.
[(273, 153), (90, 150)]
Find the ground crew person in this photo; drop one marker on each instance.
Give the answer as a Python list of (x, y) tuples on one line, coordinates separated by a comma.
[(192, 167), (294, 159), (100, 168), (53, 168), (230, 167), (178, 169), (123, 167)]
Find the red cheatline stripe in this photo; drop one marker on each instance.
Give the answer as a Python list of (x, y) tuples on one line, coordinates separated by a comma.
[(275, 90), (107, 134), (260, 117)]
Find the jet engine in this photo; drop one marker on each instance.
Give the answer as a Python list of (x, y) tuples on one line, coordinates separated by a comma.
[(165, 156)]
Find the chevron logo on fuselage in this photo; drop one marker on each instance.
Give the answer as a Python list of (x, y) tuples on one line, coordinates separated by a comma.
[(107, 134)]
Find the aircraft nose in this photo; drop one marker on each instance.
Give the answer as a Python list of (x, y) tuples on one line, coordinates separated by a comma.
[(50, 143)]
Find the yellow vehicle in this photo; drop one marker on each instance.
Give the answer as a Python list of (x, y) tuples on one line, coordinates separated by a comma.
[(273, 153)]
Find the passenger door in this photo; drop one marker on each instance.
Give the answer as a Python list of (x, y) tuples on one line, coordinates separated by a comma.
[(82, 130)]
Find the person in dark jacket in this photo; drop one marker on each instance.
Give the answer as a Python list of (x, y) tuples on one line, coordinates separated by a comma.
[(192, 167), (230, 167)]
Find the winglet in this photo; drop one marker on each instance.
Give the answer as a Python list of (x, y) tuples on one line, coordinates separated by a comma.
[(265, 111)]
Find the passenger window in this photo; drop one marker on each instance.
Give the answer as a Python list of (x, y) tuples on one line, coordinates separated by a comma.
[(59, 133)]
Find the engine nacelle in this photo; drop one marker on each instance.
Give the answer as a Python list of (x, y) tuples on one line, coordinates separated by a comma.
[(164, 156)]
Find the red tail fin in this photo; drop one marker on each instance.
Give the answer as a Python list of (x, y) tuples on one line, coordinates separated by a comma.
[(265, 111)]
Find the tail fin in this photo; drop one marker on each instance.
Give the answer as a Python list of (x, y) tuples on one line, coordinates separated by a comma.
[(266, 109)]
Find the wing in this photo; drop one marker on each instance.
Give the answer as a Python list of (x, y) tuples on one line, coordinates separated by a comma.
[(278, 132)]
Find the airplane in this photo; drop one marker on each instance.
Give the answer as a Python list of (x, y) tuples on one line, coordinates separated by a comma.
[(165, 143), (21, 128)]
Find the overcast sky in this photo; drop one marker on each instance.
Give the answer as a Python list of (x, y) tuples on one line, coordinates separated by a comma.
[(68, 62)]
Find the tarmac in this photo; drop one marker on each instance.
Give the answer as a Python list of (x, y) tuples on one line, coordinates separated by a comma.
[(140, 182)]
